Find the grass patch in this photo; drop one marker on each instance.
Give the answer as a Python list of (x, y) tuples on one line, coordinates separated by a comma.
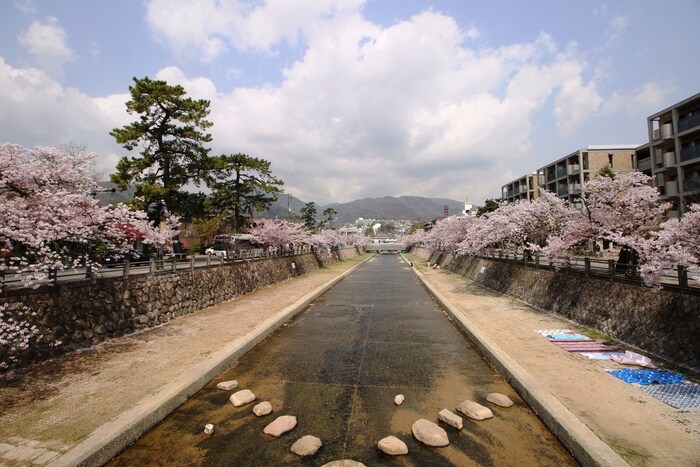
[(630, 455), (66, 435)]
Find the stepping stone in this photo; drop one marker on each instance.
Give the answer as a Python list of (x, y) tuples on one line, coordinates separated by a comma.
[(450, 418), (393, 446), (429, 433), (306, 445), (227, 385), (474, 410), (280, 426), (243, 397), (499, 399), (208, 428), (344, 463), (263, 408), (398, 400)]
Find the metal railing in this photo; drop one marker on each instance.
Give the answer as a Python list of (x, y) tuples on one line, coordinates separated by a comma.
[(168, 264), (675, 277)]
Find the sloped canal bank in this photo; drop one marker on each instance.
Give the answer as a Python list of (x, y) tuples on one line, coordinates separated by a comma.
[(337, 368)]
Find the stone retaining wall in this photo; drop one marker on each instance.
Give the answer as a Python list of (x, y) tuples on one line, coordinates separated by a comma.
[(665, 323), (83, 314)]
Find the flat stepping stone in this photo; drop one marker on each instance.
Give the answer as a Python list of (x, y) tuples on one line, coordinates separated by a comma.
[(306, 445), (474, 410), (393, 446), (450, 418), (429, 433), (281, 425), (242, 397), (344, 463), (398, 400), (262, 409), (228, 385), (499, 399)]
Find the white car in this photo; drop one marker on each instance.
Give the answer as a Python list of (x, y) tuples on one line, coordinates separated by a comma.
[(217, 250)]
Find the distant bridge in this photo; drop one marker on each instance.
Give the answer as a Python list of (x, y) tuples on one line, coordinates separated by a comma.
[(385, 247)]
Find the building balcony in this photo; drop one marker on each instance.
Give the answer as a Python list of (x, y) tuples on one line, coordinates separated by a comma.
[(563, 191), (671, 188), (574, 169), (666, 131), (561, 172), (644, 164), (689, 153), (688, 121), (574, 188), (669, 159)]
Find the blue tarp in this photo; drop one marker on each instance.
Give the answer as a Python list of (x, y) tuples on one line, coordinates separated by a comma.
[(645, 377)]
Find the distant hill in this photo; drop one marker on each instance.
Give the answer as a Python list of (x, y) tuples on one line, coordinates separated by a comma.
[(414, 208)]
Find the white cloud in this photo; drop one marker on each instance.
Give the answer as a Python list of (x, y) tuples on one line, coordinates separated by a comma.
[(369, 111), (642, 101), (365, 111), (207, 28), (27, 6), (197, 88), (35, 110), (47, 42)]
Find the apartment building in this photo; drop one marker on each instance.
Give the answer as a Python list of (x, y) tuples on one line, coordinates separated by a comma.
[(672, 156), (565, 177), (523, 188)]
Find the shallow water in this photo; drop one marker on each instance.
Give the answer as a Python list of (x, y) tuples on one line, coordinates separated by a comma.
[(337, 368)]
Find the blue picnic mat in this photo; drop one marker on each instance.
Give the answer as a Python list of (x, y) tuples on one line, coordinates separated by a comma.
[(645, 377), (680, 396), (567, 336)]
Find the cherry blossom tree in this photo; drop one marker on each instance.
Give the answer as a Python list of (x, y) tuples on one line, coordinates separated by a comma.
[(447, 233), (280, 233), (624, 210), (48, 216), (677, 243)]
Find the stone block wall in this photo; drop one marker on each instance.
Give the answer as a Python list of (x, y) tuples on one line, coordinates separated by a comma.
[(665, 323), (83, 314)]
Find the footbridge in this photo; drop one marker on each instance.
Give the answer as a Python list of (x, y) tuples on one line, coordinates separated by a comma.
[(392, 247)]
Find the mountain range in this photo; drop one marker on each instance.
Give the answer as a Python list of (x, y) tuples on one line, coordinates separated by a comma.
[(414, 208)]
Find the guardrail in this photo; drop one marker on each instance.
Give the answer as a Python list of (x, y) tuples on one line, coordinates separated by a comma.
[(170, 263), (677, 277)]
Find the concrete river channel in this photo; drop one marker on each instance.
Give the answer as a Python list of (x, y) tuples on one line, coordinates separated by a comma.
[(337, 367)]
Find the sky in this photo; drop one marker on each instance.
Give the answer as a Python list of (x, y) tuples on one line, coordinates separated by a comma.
[(356, 98)]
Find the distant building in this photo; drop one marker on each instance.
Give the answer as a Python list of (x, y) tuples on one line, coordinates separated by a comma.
[(523, 188), (350, 231), (672, 156), (468, 210), (566, 177)]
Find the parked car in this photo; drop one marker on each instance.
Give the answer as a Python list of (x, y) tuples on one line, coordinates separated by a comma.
[(114, 257), (225, 245)]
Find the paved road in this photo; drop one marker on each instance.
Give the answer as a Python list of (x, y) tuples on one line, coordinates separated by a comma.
[(337, 368)]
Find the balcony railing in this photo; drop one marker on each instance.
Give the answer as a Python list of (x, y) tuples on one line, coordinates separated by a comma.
[(644, 164), (561, 172), (689, 153), (686, 123), (574, 169)]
